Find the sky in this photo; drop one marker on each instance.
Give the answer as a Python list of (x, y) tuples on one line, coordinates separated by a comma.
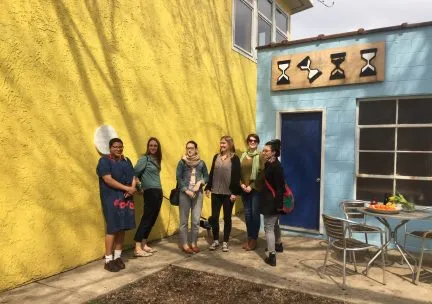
[(350, 15)]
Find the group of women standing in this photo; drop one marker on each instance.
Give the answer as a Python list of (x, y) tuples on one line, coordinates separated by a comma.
[(256, 177)]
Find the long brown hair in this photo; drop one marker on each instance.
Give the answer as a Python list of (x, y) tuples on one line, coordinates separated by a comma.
[(230, 142), (159, 150)]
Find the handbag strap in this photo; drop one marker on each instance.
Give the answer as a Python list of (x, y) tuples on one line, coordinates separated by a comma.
[(270, 188)]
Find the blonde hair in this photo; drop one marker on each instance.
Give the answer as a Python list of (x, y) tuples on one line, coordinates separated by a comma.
[(230, 142)]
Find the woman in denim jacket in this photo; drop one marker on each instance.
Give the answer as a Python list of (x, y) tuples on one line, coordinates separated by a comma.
[(191, 175)]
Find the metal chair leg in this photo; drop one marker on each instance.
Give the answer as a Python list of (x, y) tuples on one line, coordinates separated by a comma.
[(354, 260), (366, 238), (325, 259), (344, 269), (419, 265)]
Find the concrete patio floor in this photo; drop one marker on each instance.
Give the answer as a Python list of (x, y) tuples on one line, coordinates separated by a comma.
[(297, 269)]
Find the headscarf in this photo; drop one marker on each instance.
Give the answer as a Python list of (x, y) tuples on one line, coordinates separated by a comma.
[(255, 162)]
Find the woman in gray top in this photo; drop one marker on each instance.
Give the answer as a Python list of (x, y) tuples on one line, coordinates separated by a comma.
[(191, 175), (147, 170), (224, 185)]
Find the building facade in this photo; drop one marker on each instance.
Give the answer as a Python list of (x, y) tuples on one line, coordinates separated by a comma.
[(353, 112), (169, 69)]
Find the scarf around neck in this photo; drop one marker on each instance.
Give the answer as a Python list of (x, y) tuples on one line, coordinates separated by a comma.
[(255, 162), (192, 161)]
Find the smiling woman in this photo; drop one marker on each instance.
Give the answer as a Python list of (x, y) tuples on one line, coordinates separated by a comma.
[(147, 170), (117, 187)]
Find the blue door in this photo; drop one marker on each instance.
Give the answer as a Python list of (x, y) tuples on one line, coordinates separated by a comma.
[(301, 160)]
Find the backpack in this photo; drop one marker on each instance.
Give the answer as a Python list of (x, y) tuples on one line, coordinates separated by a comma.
[(287, 198)]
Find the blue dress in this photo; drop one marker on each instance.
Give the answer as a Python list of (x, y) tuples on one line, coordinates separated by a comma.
[(118, 211)]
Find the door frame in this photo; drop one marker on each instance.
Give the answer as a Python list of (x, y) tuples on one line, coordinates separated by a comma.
[(323, 132)]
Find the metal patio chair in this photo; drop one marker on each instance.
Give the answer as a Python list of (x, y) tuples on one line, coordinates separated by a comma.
[(350, 210), (337, 231)]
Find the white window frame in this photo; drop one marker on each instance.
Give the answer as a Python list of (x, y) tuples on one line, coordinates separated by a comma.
[(255, 15), (394, 177)]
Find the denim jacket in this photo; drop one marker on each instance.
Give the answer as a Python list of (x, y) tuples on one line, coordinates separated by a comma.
[(183, 174)]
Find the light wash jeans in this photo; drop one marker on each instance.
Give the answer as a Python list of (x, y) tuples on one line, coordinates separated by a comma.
[(272, 231), (189, 206), (252, 213)]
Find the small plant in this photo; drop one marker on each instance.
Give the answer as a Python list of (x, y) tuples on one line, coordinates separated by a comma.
[(400, 199)]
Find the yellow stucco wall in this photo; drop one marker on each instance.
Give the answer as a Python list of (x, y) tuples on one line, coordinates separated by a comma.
[(148, 68)]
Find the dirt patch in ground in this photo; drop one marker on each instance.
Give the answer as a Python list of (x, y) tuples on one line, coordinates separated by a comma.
[(178, 285)]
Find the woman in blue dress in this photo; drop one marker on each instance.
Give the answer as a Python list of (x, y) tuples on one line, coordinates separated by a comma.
[(117, 187)]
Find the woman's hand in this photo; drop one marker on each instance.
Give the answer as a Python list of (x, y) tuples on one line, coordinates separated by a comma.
[(190, 193), (207, 193), (233, 197), (197, 186), (243, 186), (131, 190), (248, 189)]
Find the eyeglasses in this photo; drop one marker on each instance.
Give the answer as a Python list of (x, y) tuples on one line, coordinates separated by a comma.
[(190, 148), (252, 140), (266, 150), (117, 147)]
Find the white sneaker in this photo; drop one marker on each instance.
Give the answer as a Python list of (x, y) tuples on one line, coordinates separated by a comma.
[(214, 245), (225, 247)]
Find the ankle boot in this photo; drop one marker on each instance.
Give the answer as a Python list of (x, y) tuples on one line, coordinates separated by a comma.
[(252, 245), (271, 259), (279, 247)]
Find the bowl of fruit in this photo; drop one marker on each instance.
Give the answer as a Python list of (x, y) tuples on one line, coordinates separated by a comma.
[(379, 207)]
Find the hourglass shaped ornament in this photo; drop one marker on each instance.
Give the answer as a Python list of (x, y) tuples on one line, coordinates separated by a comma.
[(283, 66), (368, 69), (337, 72), (305, 64)]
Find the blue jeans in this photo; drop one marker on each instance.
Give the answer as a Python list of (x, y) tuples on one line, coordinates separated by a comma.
[(252, 213)]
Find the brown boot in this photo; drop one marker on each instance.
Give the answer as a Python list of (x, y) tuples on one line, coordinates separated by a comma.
[(252, 245), (246, 245)]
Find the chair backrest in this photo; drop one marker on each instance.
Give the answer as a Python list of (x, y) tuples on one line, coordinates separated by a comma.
[(350, 209), (334, 226)]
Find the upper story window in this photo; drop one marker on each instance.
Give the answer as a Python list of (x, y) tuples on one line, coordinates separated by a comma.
[(257, 22)]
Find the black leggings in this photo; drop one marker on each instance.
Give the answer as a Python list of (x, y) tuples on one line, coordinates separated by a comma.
[(218, 201), (152, 205)]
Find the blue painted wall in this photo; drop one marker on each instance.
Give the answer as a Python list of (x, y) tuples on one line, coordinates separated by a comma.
[(408, 71)]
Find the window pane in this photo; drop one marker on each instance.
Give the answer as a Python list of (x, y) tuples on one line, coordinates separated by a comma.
[(418, 192), (377, 112), (265, 8), (415, 139), (415, 111), (280, 37), (377, 139), (414, 164), (243, 26), (264, 32), (281, 21), (376, 163), (368, 188)]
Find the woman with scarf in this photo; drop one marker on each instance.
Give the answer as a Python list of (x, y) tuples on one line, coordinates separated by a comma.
[(191, 176), (271, 198), (250, 167), (147, 170)]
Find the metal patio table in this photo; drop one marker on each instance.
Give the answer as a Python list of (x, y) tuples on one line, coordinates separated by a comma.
[(404, 217)]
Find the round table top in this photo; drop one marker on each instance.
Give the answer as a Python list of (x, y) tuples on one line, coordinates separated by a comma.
[(402, 215)]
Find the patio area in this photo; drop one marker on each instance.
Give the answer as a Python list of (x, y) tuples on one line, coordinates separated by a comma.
[(297, 269)]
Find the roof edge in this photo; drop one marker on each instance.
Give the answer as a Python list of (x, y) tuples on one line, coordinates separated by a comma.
[(359, 32), (304, 5)]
